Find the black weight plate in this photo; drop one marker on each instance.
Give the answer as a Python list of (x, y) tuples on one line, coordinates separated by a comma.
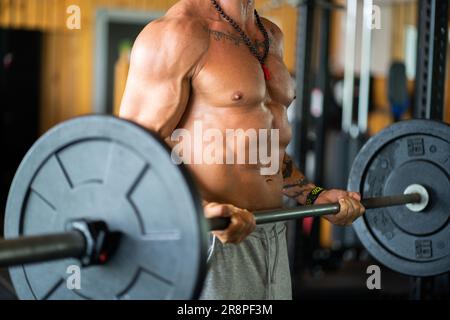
[(409, 152), (101, 167)]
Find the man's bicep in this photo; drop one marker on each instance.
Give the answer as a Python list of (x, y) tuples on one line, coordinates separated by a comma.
[(154, 97), (155, 103)]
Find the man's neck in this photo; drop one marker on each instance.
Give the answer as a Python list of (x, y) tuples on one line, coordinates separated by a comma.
[(241, 11)]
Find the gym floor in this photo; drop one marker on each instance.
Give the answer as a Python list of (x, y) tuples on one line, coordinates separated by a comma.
[(59, 62)]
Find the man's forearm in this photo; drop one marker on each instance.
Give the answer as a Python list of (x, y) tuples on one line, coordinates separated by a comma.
[(295, 184)]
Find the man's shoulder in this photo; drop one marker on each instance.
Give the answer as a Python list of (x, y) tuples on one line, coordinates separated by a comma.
[(172, 36), (276, 34), (177, 27), (164, 41), (271, 26)]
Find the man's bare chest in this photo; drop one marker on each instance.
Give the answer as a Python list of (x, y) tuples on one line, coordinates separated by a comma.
[(230, 73)]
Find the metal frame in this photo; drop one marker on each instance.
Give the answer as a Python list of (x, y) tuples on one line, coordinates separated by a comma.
[(349, 73), (103, 18), (323, 75), (431, 59), (305, 13)]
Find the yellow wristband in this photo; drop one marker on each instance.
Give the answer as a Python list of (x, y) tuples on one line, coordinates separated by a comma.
[(313, 195)]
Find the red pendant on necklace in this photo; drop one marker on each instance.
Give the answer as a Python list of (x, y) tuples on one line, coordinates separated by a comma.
[(266, 72)]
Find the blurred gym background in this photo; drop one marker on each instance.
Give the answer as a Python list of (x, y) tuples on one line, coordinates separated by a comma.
[(51, 71)]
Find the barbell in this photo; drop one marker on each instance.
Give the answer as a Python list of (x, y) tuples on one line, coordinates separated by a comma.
[(93, 243), (103, 193)]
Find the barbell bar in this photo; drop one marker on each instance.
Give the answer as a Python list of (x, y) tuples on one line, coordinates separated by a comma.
[(93, 244), (41, 248), (319, 210)]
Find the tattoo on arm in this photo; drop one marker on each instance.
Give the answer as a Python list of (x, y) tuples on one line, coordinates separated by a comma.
[(299, 183), (297, 194), (298, 189), (295, 184)]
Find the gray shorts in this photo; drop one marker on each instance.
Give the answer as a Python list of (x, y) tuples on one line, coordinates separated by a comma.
[(257, 268)]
